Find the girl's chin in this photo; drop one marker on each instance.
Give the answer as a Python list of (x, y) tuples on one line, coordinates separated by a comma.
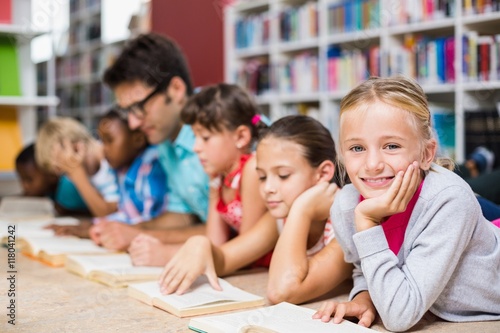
[(368, 194)]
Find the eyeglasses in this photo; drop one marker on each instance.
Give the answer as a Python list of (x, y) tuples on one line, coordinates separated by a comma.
[(137, 108)]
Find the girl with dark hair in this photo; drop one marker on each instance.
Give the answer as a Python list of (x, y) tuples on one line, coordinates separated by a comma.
[(296, 165)]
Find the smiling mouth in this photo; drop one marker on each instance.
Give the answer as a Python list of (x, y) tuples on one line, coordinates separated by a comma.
[(377, 180), (272, 204)]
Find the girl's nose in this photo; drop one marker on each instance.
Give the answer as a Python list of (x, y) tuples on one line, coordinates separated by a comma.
[(374, 161)]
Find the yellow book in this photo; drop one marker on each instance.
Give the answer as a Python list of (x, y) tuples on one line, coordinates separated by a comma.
[(200, 299), (10, 137), (283, 317), (114, 270)]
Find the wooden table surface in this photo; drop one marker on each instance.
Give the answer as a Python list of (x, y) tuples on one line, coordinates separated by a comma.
[(54, 300)]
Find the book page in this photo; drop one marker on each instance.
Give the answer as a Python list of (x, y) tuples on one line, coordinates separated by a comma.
[(283, 317), (133, 271), (64, 245), (101, 262), (201, 293), (36, 227)]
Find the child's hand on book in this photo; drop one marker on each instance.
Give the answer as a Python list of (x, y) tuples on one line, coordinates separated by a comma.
[(360, 307), (372, 211), (193, 259)]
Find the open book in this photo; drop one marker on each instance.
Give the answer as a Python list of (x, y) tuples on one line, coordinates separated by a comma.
[(13, 209), (200, 299), (31, 228), (283, 317), (114, 270), (53, 250)]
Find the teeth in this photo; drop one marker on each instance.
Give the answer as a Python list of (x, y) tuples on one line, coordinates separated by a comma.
[(379, 180)]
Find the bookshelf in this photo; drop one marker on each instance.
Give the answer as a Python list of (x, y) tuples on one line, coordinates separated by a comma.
[(79, 70), (301, 56), (19, 102)]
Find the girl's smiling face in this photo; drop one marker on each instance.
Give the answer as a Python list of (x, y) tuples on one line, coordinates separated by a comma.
[(376, 142)]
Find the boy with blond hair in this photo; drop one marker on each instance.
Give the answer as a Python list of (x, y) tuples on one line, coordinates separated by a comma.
[(65, 146)]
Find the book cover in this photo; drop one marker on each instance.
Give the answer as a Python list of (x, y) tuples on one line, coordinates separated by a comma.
[(10, 137), (9, 68), (283, 317), (200, 299), (5, 11), (114, 270)]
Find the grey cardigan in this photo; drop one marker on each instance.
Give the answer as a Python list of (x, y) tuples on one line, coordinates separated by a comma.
[(449, 262)]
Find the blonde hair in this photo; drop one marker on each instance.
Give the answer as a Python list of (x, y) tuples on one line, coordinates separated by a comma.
[(54, 132), (402, 93)]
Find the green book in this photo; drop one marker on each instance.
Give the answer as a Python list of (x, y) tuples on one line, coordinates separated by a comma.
[(9, 68)]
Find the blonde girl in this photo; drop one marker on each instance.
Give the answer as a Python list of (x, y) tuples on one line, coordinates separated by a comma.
[(413, 229)]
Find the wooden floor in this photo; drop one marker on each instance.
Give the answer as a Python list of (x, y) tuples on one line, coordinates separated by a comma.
[(53, 300)]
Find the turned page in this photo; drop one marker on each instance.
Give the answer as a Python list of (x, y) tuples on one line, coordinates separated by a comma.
[(90, 263), (200, 293), (283, 317)]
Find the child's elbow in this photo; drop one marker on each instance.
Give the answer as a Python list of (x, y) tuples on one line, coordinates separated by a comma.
[(399, 323), (278, 295), (398, 326), (284, 292)]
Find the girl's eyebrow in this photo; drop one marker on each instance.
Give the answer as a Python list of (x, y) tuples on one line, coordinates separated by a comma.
[(384, 137)]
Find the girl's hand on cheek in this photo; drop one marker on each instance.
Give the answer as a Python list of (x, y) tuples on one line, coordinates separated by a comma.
[(316, 201), (373, 211)]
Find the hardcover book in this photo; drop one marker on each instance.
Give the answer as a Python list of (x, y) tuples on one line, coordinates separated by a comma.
[(200, 299)]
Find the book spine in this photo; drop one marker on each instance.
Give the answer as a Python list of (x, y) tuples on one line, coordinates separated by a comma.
[(5, 11)]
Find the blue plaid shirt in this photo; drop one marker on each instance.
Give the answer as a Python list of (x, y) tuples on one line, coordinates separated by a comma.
[(142, 188)]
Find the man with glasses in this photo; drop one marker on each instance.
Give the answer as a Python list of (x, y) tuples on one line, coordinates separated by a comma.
[(151, 83)]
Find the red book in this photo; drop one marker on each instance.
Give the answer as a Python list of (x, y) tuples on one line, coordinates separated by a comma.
[(484, 44), (449, 59), (5, 11)]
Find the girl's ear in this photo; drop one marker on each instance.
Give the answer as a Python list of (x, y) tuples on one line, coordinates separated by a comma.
[(325, 171), (242, 136), (428, 155)]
